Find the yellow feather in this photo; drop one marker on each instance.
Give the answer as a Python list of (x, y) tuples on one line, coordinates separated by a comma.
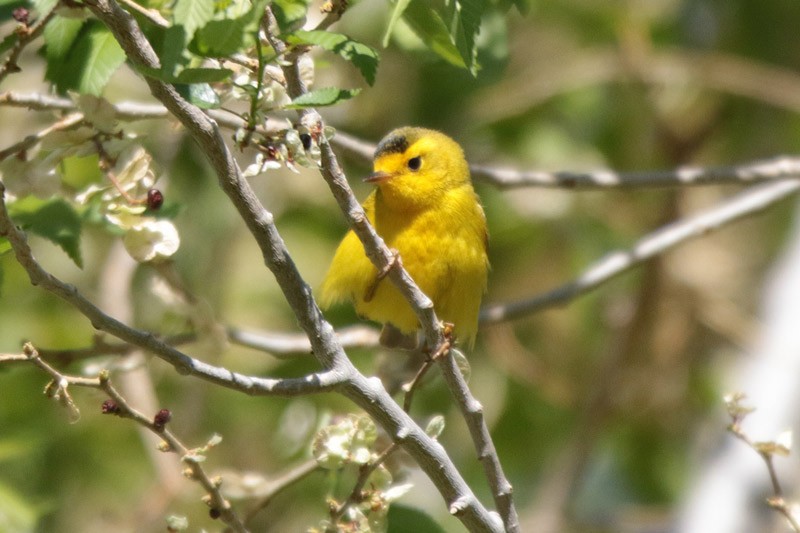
[(433, 218)]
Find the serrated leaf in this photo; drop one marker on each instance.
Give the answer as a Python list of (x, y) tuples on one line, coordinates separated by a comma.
[(428, 25), (465, 23), (103, 56), (92, 59), (225, 37), (323, 97), (59, 35), (363, 57), (55, 220), (399, 8), (192, 15)]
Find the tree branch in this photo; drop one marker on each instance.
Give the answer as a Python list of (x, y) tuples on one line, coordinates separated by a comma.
[(184, 364), (781, 167), (748, 202), (367, 393)]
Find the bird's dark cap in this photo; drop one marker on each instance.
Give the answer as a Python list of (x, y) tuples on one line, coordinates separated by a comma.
[(395, 142)]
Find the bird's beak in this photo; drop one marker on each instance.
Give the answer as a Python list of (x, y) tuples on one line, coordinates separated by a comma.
[(377, 177)]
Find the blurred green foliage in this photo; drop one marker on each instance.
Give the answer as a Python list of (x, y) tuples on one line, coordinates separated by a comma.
[(602, 399)]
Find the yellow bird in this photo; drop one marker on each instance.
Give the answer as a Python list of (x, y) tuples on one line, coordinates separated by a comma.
[(424, 207)]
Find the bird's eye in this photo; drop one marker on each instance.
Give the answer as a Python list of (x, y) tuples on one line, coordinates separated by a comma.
[(414, 163)]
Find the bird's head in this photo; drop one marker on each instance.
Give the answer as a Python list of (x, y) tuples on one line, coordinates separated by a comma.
[(415, 167)]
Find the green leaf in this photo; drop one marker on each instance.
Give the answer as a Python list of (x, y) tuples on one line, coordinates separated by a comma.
[(55, 220), (173, 53), (399, 8), (199, 94), (225, 37), (429, 26), (92, 59), (202, 75), (59, 36), (465, 25), (192, 15), (290, 14), (363, 57), (323, 97), (5, 246)]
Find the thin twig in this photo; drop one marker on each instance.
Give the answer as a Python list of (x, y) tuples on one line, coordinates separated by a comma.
[(766, 451), (58, 389), (281, 483), (472, 411), (67, 123), (748, 202), (356, 496), (26, 34)]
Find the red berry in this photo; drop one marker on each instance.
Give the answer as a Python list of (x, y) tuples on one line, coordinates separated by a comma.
[(21, 15), (110, 407), (161, 419), (155, 199)]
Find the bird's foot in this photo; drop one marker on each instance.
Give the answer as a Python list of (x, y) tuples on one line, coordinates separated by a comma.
[(393, 262)]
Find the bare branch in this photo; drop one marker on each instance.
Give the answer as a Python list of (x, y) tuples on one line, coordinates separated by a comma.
[(472, 411), (772, 169), (290, 345), (748, 202), (781, 167)]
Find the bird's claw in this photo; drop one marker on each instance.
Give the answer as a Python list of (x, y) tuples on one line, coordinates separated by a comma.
[(393, 262)]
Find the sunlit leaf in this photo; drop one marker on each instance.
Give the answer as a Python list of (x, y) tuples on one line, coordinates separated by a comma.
[(192, 15), (59, 35), (363, 57), (399, 8), (225, 37), (429, 26), (92, 59)]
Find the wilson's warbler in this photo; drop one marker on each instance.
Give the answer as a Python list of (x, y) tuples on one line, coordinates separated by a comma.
[(425, 208)]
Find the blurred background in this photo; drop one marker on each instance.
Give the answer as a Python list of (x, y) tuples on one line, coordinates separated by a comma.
[(607, 413)]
